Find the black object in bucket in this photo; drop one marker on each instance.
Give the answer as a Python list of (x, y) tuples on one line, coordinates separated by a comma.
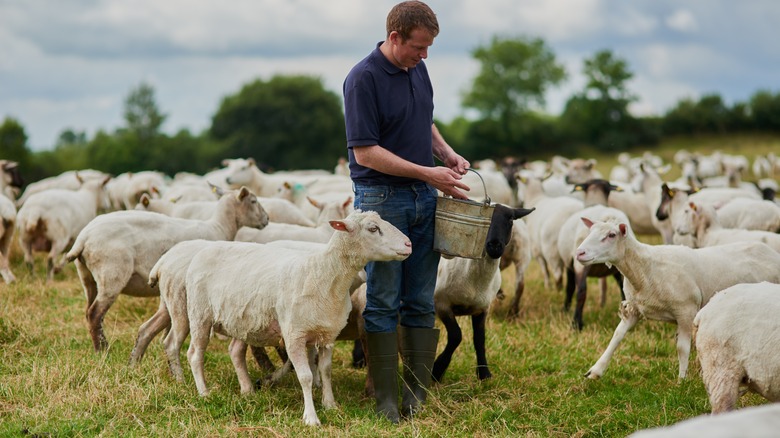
[(462, 225)]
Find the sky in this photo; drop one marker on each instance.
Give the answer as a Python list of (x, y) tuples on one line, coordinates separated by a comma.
[(70, 64)]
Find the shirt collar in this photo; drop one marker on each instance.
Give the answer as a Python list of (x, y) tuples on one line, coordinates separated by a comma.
[(383, 62)]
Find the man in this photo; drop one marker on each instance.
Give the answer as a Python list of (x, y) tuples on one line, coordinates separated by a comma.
[(392, 142)]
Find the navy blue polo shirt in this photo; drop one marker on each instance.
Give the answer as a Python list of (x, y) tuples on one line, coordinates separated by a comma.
[(390, 107)]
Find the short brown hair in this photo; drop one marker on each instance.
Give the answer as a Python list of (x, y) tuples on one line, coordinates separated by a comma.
[(410, 15)]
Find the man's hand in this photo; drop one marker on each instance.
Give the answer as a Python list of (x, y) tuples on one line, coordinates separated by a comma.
[(448, 181)]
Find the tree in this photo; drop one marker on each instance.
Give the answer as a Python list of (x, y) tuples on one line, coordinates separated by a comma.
[(765, 108), (599, 114), (288, 122), (143, 117), (513, 79), (515, 75), (13, 142)]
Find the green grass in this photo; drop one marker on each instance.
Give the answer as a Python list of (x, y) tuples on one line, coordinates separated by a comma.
[(52, 383)]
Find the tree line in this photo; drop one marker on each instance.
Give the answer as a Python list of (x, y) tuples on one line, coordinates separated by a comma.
[(293, 122)]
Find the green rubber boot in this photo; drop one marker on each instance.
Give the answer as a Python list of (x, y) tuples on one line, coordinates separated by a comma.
[(383, 367), (418, 346)]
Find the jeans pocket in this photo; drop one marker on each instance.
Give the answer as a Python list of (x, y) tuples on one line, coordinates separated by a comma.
[(371, 197)]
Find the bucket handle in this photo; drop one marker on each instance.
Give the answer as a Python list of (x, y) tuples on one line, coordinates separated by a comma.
[(484, 187)]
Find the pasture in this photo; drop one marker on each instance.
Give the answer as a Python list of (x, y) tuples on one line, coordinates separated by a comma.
[(52, 383)]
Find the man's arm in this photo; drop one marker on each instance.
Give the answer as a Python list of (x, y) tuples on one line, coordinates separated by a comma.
[(446, 154), (382, 160)]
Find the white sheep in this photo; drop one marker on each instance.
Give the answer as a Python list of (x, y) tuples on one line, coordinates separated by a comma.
[(737, 339), (750, 214), (467, 287), (267, 184), (753, 421), (169, 275), (550, 211), (53, 218), (673, 201), (701, 222), (572, 233), (138, 183), (279, 210), (261, 303), (65, 180), (115, 252), (7, 229), (281, 231), (670, 282)]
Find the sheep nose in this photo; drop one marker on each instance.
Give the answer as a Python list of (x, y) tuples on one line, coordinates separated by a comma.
[(580, 254), (408, 243)]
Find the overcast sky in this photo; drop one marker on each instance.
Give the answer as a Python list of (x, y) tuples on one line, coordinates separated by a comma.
[(71, 63)]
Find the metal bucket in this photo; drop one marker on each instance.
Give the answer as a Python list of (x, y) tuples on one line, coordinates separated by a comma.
[(462, 225)]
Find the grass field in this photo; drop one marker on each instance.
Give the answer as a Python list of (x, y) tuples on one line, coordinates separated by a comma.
[(52, 383)]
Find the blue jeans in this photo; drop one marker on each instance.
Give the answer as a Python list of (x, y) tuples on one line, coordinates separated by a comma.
[(402, 290)]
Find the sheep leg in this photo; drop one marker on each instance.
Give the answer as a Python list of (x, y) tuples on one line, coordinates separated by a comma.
[(298, 354), (514, 307), (454, 337), (261, 357), (237, 351), (314, 367), (603, 286), (26, 246), (478, 328), (180, 329), (325, 365), (721, 379), (95, 314), (684, 332), (200, 332), (581, 282), (545, 271), (87, 282), (570, 286), (358, 355), (629, 316), (57, 248), (5, 269), (619, 279), (279, 373), (157, 323)]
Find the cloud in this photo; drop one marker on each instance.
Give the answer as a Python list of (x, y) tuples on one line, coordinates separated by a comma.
[(682, 20), (71, 64)]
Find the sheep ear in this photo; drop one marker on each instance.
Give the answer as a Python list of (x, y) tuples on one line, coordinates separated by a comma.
[(315, 203), (521, 212), (693, 206), (347, 202), (145, 199), (251, 161), (588, 223), (217, 190), (339, 225), (623, 229), (243, 193)]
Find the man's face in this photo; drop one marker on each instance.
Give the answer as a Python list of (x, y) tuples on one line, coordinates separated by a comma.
[(408, 53)]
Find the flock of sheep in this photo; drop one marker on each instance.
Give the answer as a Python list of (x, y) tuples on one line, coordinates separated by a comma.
[(194, 241)]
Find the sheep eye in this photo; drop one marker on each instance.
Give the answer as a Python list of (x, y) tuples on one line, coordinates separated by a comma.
[(373, 229), (611, 235)]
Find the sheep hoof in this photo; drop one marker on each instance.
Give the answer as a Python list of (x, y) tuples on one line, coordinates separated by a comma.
[(592, 375)]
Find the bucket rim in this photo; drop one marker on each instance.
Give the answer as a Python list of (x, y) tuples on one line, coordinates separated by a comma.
[(487, 201)]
